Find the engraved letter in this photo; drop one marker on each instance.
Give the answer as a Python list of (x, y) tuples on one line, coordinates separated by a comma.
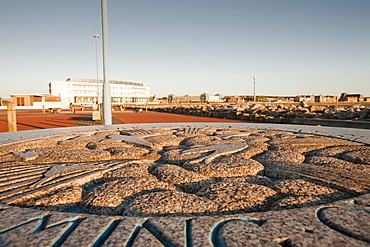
[(144, 223), (41, 225), (218, 242), (321, 216)]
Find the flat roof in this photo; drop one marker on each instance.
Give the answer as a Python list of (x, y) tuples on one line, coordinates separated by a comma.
[(71, 79)]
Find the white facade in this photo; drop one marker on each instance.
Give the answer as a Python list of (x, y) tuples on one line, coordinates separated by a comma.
[(84, 91)]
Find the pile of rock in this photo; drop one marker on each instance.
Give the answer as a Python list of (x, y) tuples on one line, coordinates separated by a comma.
[(275, 112)]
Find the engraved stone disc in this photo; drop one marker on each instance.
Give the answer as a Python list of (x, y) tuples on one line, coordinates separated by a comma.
[(187, 178)]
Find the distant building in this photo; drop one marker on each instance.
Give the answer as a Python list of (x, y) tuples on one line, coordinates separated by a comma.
[(183, 99), (316, 98), (36, 100), (345, 97), (153, 99), (326, 98), (203, 98), (259, 98), (217, 98), (306, 98), (84, 91), (234, 99), (280, 98)]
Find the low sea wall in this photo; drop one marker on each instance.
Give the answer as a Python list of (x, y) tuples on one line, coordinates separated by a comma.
[(356, 116)]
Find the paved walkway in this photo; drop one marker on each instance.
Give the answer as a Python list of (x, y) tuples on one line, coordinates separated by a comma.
[(163, 117), (35, 119)]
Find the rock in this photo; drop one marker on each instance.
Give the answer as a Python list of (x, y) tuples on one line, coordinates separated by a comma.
[(303, 104), (365, 113), (353, 115), (319, 109), (257, 107)]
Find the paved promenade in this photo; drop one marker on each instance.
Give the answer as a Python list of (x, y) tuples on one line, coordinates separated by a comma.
[(35, 119)]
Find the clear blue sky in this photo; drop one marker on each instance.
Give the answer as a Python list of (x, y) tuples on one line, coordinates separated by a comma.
[(191, 46)]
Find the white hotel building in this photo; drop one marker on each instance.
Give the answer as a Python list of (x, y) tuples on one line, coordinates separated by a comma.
[(84, 91)]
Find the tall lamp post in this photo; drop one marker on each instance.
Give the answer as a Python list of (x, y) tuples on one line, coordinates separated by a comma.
[(107, 105), (96, 36), (254, 88)]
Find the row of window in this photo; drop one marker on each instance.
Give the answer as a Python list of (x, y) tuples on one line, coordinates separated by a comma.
[(84, 86), (124, 93), (129, 100), (101, 81), (113, 87), (113, 93), (113, 99), (130, 88)]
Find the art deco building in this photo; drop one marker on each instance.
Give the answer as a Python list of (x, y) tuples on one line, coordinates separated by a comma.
[(84, 91)]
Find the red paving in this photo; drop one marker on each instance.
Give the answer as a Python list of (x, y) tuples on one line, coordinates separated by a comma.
[(35, 119), (162, 117)]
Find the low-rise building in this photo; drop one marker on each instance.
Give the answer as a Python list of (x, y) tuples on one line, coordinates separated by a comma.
[(203, 98), (37, 101), (258, 98), (345, 97), (217, 98), (233, 99), (316, 98), (286, 99), (183, 99), (326, 98)]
